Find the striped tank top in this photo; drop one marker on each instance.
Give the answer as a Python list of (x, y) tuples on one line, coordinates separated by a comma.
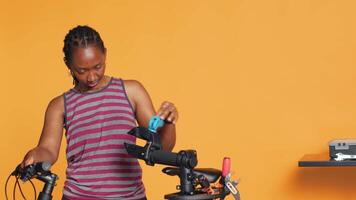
[(99, 166)]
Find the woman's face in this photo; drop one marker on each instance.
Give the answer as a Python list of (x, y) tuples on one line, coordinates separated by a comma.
[(88, 66)]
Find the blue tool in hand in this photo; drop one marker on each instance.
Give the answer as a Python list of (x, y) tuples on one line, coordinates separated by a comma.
[(155, 123)]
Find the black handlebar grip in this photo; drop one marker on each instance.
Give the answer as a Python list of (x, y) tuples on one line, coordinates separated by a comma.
[(164, 157), (31, 170), (42, 167), (187, 159)]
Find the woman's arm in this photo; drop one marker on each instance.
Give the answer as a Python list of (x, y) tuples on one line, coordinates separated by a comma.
[(144, 111), (51, 136)]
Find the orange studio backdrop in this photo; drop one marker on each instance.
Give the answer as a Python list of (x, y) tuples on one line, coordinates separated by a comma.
[(263, 82)]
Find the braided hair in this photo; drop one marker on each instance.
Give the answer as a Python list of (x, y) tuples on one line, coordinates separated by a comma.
[(80, 37)]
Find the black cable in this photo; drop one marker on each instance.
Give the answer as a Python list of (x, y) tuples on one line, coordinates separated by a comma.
[(7, 180), (34, 188), (18, 184), (14, 191)]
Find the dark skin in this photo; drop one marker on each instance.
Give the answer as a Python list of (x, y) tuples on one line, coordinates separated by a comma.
[(88, 66)]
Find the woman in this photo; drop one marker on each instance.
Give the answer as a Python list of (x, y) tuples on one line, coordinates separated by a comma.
[(97, 113)]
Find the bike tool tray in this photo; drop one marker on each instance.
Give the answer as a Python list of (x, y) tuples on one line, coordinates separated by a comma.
[(340, 150)]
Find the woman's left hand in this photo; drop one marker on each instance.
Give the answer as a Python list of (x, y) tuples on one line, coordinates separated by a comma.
[(168, 112)]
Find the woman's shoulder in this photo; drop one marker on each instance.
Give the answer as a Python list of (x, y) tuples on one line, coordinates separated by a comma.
[(132, 83), (133, 86), (135, 90), (57, 103)]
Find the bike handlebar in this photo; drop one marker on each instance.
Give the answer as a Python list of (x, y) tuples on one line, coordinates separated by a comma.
[(187, 158)]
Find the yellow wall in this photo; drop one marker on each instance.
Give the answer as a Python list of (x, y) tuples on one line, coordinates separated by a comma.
[(263, 82)]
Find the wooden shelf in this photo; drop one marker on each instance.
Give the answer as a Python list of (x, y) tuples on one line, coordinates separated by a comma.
[(323, 160)]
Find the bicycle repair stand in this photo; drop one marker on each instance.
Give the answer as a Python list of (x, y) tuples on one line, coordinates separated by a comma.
[(184, 162)]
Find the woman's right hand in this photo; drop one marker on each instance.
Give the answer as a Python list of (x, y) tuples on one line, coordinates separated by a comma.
[(30, 157)]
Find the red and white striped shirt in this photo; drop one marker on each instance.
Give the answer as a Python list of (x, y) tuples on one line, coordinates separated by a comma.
[(99, 166)]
